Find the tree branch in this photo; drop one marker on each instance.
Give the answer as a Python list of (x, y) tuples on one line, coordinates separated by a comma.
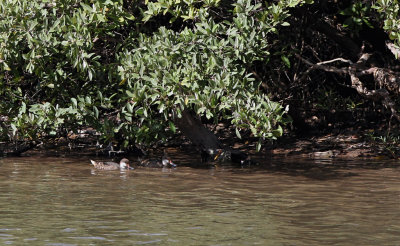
[(388, 80), (338, 37), (375, 95), (393, 48), (321, 66)]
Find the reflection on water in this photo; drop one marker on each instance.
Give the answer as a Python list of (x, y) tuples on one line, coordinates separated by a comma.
[(55, 201)]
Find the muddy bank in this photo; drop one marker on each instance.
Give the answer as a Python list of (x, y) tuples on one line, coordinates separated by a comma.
[(329, 145), (344, 144)]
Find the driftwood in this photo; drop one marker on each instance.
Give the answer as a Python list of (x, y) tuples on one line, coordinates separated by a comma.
[(387, 79)]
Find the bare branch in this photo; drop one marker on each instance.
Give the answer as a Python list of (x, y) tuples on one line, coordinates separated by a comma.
[(393, 48), (375, 95), (388, 79), (385, 78), (335, 60), (321, 66), (363, 58)]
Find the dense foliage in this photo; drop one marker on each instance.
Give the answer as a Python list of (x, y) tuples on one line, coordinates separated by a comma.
[(128, 69), (71, 64)]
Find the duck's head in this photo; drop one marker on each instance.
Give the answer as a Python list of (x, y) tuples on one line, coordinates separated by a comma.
[(124, 164)]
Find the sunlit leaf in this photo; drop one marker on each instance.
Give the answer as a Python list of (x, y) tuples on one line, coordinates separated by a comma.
[(172, 127), (74, 102), (238, 133)]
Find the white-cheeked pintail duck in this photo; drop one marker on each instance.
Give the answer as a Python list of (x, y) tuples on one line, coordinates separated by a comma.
[(109, 165)]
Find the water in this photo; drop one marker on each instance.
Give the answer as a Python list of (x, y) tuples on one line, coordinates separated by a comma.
[(59, 201)]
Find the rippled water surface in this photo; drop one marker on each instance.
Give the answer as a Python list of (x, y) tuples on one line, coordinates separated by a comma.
[(59, 201)]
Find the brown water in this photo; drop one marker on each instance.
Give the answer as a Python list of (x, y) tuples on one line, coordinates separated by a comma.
[(56, 201)]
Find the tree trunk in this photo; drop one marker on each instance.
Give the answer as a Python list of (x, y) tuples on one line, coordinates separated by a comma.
[(191, 127), (210, 147)]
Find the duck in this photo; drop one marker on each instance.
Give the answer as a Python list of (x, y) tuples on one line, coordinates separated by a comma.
[(164, 162), (222, 155), (210, 154), (109, 165)]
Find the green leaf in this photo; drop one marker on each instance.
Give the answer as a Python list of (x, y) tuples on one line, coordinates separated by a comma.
[(253, 130), (129, 93), (258, 147), (129, 107), (285, 60), (6, 67), (74, 102), (23, 108), (14, 128), (238, 133), (209, 115), (96, 112), (161, 108), (86, 7), (278, 132), (100, 95), (125, 143), (139, 111), (55, 24), (88, 100), (172, 127)]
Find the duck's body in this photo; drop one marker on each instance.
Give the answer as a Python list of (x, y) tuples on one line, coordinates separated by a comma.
[(222, 155), (164, 162), (109, 165)]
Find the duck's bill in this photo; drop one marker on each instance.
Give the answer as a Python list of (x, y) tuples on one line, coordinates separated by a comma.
[(218, 155)]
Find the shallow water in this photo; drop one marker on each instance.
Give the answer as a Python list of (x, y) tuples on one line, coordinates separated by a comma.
[(60, 201)]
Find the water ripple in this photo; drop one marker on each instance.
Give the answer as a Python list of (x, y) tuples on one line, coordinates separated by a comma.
[(51, 201)]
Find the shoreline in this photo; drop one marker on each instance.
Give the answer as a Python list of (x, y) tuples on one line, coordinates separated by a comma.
[(344, 144)]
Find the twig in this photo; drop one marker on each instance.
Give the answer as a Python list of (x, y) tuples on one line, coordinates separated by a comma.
[(321, 66)]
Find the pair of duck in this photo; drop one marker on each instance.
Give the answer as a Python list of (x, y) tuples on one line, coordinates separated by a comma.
[(125, 164)]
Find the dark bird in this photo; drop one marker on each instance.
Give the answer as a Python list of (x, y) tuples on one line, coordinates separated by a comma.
[(164, 162)]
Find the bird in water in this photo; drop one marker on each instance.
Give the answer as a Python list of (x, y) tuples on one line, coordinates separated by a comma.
[(164, 162), (223, 155), (109, 165), (212, 155)]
